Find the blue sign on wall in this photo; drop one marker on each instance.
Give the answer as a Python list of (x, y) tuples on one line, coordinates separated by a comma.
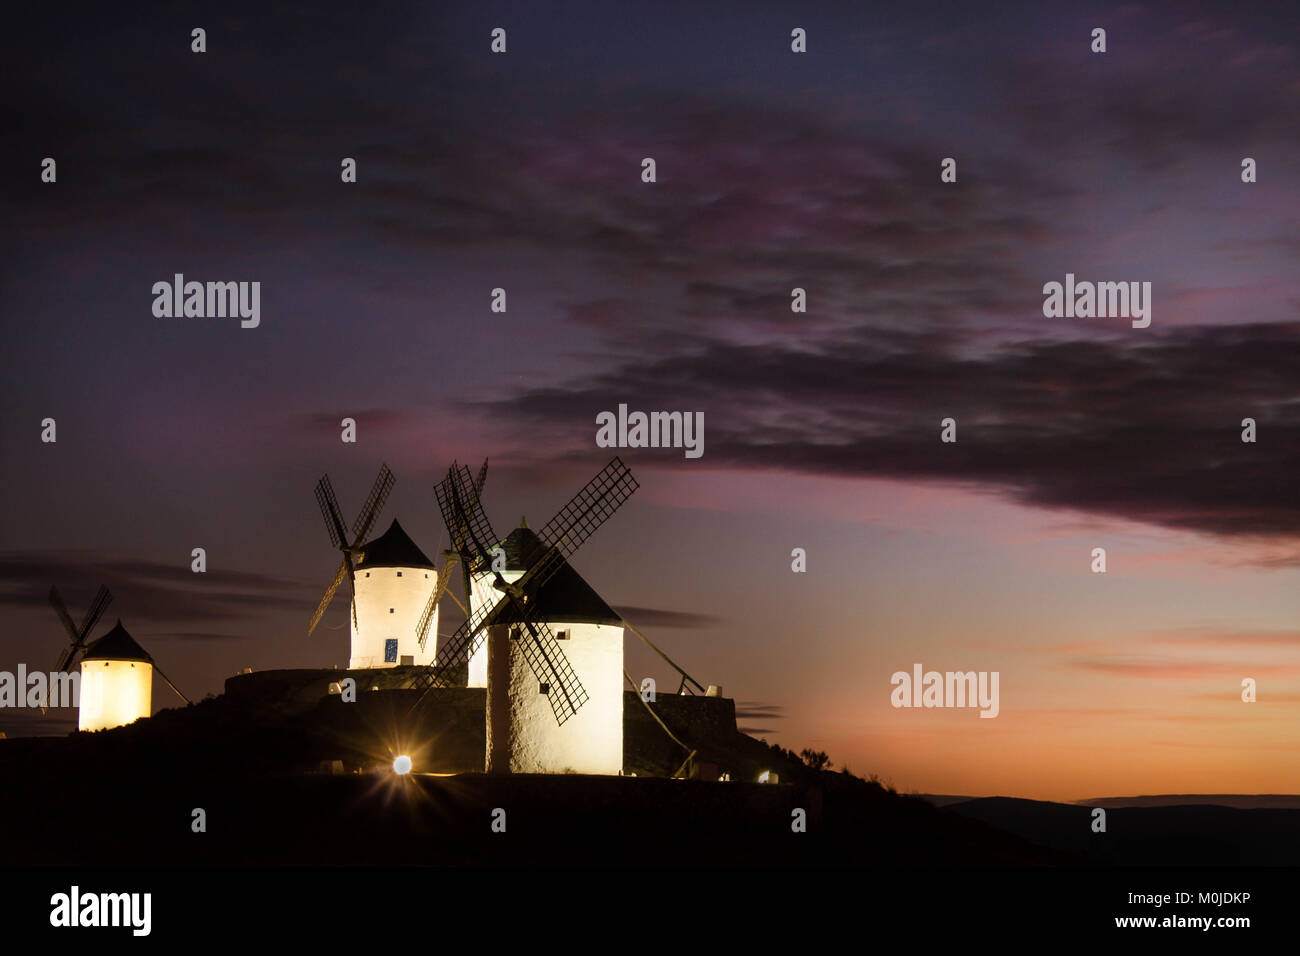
[(390, 651)]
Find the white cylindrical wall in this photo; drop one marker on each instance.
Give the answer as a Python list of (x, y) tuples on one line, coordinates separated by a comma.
[(522, 733), (114, 693), (484, 591), (389, 603)]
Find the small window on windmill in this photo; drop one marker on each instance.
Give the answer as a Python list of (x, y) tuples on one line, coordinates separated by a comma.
[(399, 574), (390, 651), (390, 610), (514, 633), (367, 574), (561, 635), (544, 688)]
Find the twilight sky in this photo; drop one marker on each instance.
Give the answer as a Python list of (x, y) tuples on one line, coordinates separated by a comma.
[(775, 170)]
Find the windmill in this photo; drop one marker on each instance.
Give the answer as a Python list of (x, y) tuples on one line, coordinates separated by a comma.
[(463, 514), (455, 554), (117, 681), (78, 635), (114, 693), (329, 508)]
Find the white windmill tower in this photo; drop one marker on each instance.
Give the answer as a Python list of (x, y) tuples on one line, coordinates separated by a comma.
[(510, 559), (116, 672), (552, 644), (394, 579), (116, 681), (429, 618), (390, 577), (522, 735)]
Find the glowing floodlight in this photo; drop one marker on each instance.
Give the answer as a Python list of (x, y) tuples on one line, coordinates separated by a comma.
[(402, 765), (768, 776)]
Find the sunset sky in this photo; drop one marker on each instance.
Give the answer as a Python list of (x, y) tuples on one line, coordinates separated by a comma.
[(822, 430)]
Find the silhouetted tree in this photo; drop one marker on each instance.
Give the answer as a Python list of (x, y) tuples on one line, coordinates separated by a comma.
[(815, 759)]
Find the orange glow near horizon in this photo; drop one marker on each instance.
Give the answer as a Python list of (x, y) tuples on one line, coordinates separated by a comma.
[(1118, 684)]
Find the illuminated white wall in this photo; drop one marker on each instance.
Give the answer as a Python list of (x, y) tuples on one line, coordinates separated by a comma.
[(484, 592), (389, 603), (114, 693), (522, 733)]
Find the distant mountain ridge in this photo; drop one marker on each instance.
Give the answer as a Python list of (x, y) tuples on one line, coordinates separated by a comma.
[(1239, 801), (1190, 833)]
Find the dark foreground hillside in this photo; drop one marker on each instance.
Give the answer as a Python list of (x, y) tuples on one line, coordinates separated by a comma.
[(251, 762), (1178, 835)]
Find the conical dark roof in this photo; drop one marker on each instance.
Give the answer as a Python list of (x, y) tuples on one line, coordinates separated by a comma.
[(522, 548), (565, 599), (116, 645), (393, 549)]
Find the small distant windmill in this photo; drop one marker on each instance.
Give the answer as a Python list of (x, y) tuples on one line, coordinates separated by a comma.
[(329, 508), (463, 514), (456, 553), (114, 694), (78, 635)]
